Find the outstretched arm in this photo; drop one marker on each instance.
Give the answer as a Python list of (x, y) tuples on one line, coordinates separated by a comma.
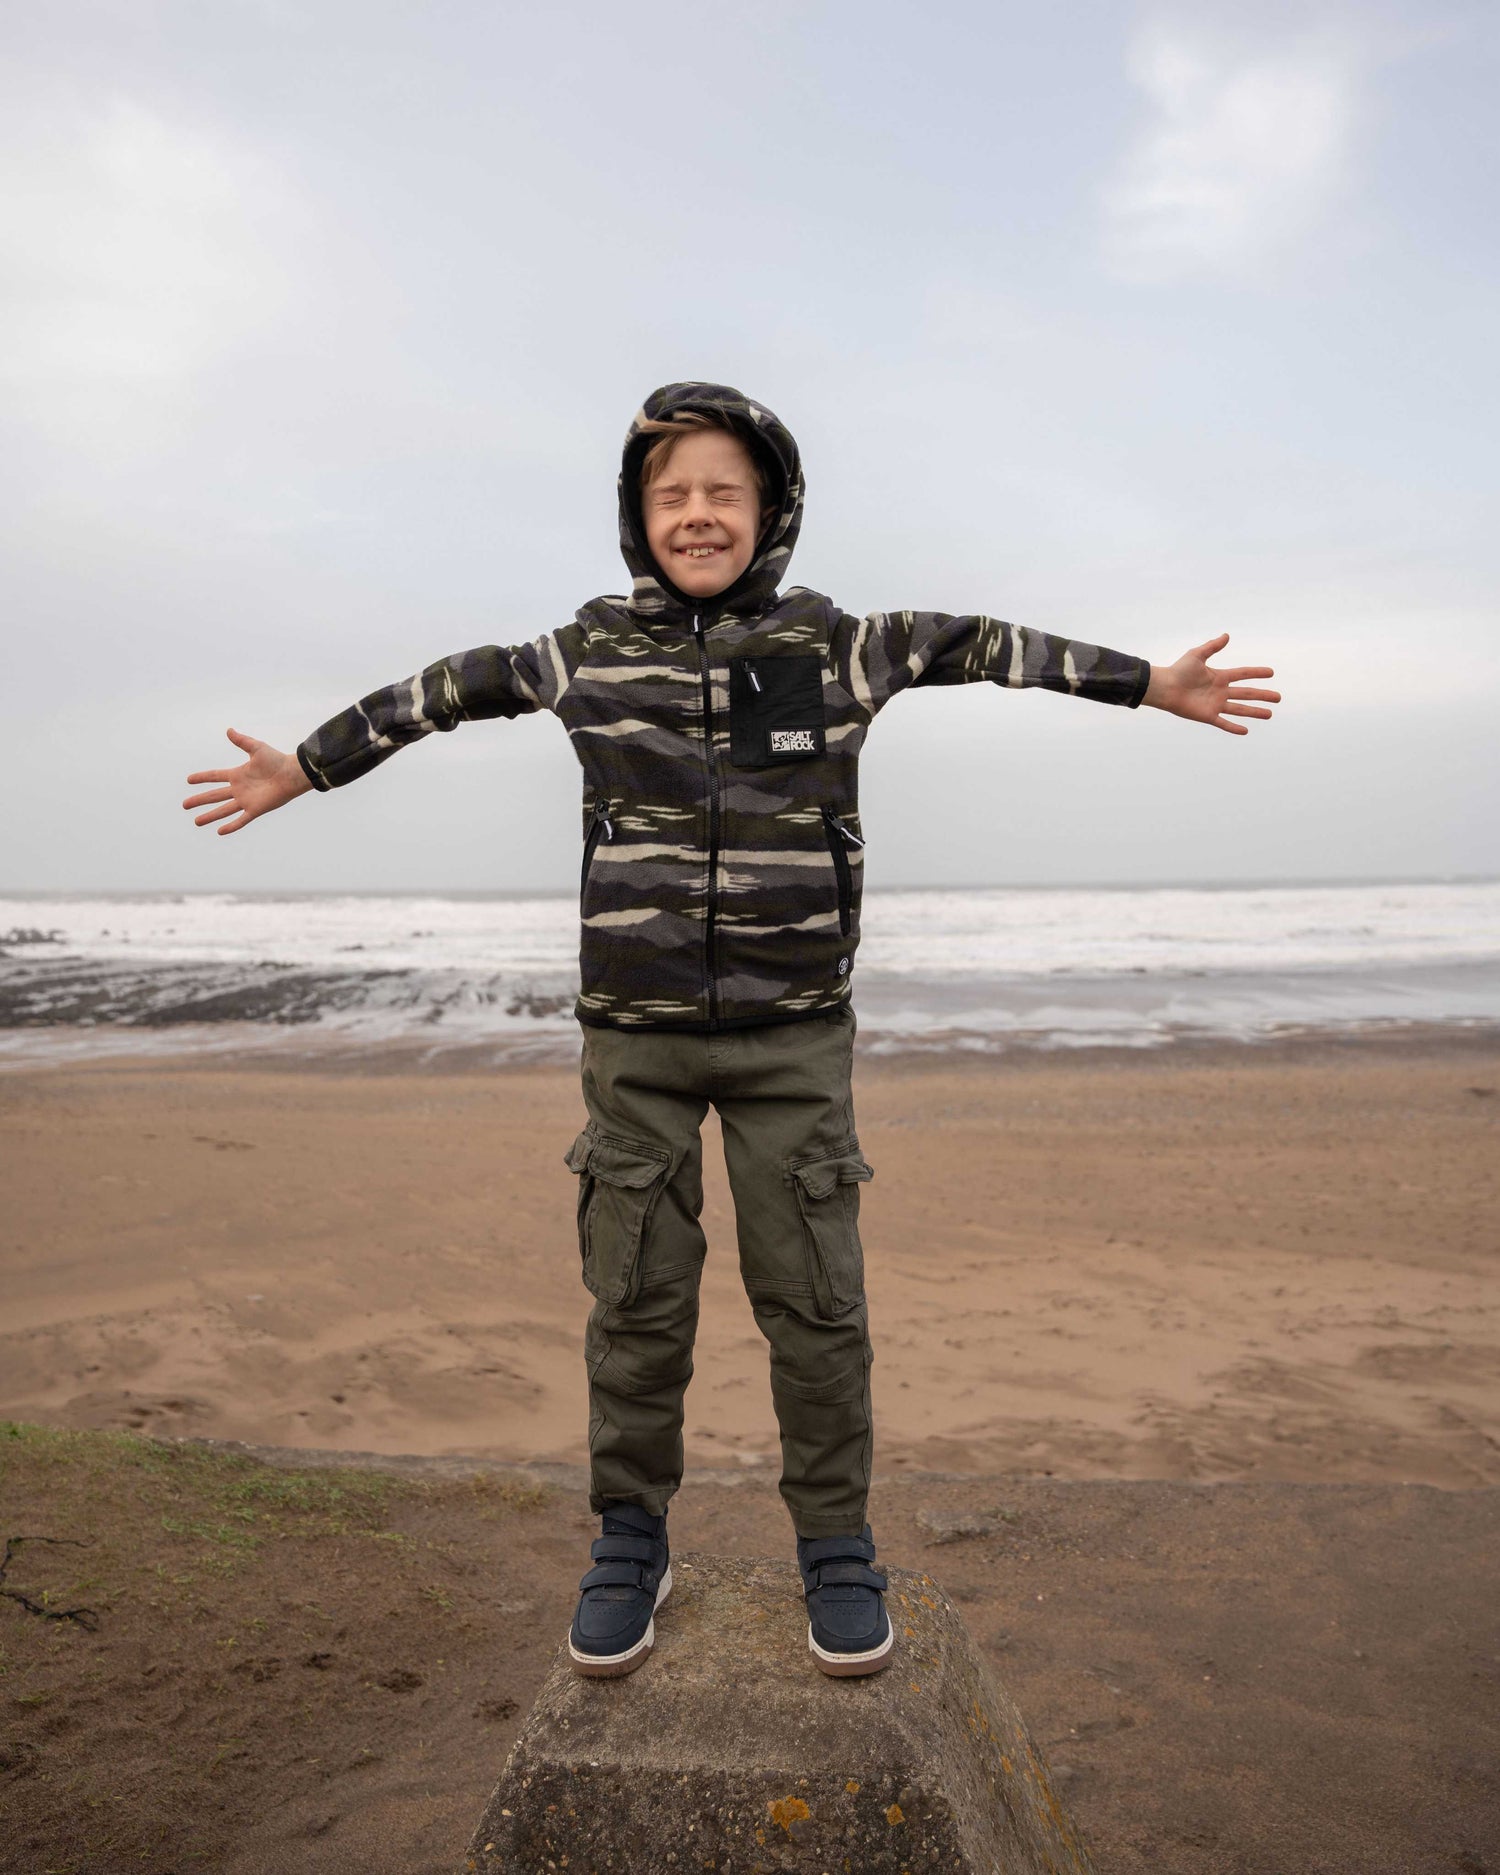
[(1191, 688), (879, 656), (470, 686), (467, 687), (884, 653)]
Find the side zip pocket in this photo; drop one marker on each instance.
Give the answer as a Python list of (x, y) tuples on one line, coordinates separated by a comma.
[(601, 824), (840, 839)]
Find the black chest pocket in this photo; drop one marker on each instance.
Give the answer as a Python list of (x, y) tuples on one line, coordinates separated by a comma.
[(775, 710)]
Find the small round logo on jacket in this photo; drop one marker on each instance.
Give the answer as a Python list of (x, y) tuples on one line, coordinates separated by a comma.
[(843, 966)]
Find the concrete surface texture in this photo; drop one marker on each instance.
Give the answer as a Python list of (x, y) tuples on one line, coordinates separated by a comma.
[(729, 1751)]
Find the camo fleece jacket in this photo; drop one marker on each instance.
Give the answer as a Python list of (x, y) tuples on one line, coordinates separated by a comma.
[(720, 740)]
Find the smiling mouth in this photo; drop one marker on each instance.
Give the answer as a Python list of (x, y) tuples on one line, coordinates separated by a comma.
[(699, 553)]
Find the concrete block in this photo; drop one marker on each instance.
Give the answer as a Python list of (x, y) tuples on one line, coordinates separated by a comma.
[(728, 1751)]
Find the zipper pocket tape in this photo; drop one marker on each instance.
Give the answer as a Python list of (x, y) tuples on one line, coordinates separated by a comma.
[(840, 839), (600, 825)]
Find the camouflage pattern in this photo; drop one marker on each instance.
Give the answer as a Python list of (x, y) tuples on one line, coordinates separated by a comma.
[(719, 740)]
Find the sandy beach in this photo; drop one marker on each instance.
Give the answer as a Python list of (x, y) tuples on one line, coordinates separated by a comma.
[(1214, 1264), (1197, 1352)]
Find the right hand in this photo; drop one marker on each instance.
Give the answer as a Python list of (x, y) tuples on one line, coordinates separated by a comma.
[(269, 779)]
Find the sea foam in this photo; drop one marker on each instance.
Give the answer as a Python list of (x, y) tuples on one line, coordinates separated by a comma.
[(972, 969)]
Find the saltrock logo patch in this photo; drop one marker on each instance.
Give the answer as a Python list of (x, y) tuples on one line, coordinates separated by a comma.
[(794, 742)]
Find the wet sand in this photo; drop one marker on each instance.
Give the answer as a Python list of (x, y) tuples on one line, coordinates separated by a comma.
[(1271, 1263)]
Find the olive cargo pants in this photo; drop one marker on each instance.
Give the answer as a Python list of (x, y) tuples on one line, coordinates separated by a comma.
[(795, 1167)]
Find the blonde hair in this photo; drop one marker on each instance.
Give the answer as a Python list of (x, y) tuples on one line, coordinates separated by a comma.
[(670, 432)]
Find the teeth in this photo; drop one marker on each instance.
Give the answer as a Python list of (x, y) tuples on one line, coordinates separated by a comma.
[(699, 553)]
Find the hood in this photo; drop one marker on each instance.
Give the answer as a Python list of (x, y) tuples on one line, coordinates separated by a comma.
[(653, 595)]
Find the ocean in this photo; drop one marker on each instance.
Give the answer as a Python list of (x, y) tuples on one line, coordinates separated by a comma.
[(984, 969)]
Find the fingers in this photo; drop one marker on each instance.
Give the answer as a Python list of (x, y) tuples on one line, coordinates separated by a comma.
[(216, 813), (1235, 729), (234, 825), (1244, 709), (1261, 696), (204, 800), (210, 774), (1213, 644), (1248, 670), (242, 741)]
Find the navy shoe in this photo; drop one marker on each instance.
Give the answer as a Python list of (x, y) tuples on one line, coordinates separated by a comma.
[(613, 1629), (848, 1629)]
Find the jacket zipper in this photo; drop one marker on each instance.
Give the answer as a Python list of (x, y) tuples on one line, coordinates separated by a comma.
[(713, 822), (840, 839), (601, 824)]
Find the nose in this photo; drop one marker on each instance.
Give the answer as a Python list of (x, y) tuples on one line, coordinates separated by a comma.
[(697, 510)]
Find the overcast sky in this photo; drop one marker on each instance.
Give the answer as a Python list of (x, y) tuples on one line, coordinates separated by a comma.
[(323, 324)]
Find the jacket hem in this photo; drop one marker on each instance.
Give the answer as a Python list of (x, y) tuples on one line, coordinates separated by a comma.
[(591, 1021)]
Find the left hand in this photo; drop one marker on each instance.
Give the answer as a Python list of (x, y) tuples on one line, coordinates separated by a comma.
[(1192, 689)]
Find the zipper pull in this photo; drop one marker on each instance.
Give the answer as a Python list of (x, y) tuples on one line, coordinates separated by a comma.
[(697, 628), (834, 821), (750, 673), (606, 825)]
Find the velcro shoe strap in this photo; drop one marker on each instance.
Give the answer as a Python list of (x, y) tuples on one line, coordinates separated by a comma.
[(859, 1574), (621, 1575), (824, 1549), (623, 1548)]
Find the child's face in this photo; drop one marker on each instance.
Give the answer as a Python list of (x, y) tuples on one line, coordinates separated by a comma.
[(703, 514)]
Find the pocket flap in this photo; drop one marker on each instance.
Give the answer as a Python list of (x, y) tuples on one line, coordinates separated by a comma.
[(617, 1161), (820, 1177)]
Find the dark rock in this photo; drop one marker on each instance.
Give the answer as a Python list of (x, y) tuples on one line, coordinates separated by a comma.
[(400, 1680), (729, 1750), (259, 1669), (19, 1757)]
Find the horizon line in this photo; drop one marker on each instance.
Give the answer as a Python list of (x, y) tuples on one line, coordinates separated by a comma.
[(1267, 882)]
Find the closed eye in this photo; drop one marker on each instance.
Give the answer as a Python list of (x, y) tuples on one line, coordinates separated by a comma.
[(719, 491)]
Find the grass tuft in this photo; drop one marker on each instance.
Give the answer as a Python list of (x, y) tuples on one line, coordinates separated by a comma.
[(219, 1509)]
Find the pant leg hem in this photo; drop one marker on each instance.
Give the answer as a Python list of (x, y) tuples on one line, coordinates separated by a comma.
[(653, 1502), (842, 1527)]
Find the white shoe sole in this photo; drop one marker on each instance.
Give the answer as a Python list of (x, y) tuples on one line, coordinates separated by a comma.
[(847, 1666), (609, 1666)]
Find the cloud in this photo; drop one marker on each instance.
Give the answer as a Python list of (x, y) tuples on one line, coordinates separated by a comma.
[(1245, 149), (134, 254)]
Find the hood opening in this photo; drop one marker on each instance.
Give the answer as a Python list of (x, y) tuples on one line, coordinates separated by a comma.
[(773, 447)]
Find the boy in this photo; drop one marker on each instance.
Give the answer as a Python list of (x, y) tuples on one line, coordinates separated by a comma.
[(719, 723)]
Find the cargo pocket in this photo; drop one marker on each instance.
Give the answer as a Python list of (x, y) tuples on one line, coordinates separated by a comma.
[(619, 1181), (828, 1197)]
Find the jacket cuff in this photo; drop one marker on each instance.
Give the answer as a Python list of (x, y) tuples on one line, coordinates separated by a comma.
[(305, 761), (1142, 685)]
